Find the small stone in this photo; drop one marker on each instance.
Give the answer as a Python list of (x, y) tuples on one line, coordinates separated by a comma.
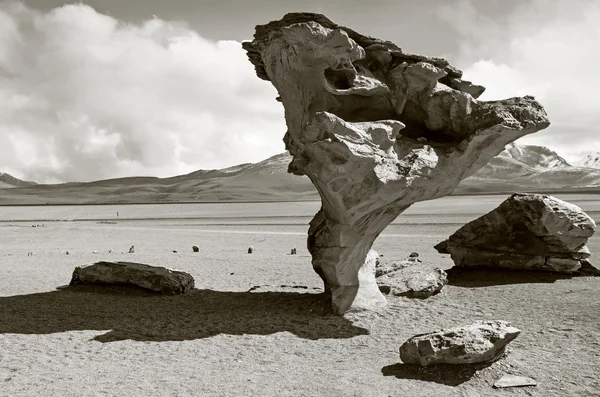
[(67, 252), (195, 248), (293, 251), (174, 251), (514, 381), (250, 249), (94, 252), (414, 255)]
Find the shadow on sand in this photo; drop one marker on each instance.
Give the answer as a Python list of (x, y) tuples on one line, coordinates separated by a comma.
[(482, 277), (445, 374), (132, 313)]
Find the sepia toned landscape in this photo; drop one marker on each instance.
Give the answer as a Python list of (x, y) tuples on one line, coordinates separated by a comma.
[(221, 340), (224, 199)]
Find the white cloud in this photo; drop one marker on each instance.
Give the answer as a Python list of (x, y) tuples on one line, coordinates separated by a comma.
[(88, 97), (545, 48)]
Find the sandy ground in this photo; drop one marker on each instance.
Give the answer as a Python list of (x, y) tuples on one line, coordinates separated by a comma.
[(221, 340)]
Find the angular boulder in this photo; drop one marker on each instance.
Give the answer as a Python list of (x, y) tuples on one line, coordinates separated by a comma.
[(375, 129), (480, 342), (153, 278), (526, 232)]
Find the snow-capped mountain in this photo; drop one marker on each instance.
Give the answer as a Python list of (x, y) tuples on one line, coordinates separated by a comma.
[(592, 160)]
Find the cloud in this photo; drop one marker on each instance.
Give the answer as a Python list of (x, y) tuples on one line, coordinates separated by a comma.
[(547, 49), (86, 97)]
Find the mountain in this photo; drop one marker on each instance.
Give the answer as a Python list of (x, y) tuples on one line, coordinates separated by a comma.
[(264, 181), (517, 168), (9, 181), (530, 169), (592, 160)]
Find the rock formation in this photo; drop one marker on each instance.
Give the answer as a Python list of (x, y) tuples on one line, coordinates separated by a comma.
[(375, 129), (481, 342), (154, 278), (526, 232), (407, 278)]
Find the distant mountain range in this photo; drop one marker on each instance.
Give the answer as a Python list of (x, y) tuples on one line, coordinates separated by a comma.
[(517, 168)]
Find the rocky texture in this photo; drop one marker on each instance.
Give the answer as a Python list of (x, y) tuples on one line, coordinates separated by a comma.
[(195, 248), (526, 232), (375, 129), (480, 342), (368, 296), (154, 278), (405, 278)]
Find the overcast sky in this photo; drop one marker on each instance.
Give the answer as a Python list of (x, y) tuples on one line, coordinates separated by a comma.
[(112, 88)]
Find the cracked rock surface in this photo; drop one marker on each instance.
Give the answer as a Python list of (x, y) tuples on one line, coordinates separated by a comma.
[(525, 232), (375, 129)]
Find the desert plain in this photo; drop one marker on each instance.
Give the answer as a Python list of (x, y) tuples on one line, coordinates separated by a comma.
[(278, 339)]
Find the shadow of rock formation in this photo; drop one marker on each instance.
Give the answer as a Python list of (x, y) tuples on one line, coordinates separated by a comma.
[(132, 313), (485, 277), (445, 374)]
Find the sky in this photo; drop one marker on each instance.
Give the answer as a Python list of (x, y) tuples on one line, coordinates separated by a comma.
[(113, 88)]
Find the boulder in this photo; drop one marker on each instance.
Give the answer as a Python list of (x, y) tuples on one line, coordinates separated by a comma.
[(422, 284), (153, 278), (404, 278), (526, 232), (195, 248), (250, 249), (375, 129), (480, 342)]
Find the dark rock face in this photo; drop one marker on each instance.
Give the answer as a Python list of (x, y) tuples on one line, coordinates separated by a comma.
[(528, 232), (480, 342), (376, 130), (154, 278)]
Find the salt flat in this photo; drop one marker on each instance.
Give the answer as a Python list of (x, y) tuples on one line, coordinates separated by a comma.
[(221, 340)]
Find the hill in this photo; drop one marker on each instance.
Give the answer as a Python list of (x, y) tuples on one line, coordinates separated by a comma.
[(518, 168), (8, 181)]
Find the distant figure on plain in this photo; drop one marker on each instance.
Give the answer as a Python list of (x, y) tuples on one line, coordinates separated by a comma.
[(132, 249)]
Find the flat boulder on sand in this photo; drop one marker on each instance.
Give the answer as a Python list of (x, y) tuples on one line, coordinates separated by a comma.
[(154, 278), (480, 342), (407, 278), (526, 232)]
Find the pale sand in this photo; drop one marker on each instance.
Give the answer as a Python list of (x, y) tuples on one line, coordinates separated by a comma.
[(222, 341)]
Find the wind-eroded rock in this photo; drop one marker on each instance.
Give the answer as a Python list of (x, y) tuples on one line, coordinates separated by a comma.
[(154, 278), (375, 129), (480, 342), (526, 232)]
